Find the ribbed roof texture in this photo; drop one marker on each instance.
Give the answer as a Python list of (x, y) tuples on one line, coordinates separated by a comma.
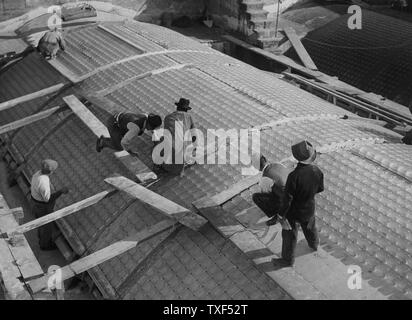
[(364, 212)]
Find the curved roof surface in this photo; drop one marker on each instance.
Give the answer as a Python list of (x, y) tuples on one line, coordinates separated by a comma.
[(364, 214), (376, 58)]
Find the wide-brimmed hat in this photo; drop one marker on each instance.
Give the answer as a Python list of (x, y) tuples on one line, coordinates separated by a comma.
[(304, 152), (183, 104), (49, 165)]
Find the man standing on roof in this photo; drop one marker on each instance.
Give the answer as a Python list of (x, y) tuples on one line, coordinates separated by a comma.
[(179, 123), (43, 200), (124, 127), (274, 176), (50, 44), (299, 202)]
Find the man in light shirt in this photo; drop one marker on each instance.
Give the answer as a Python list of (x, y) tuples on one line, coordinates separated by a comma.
[(273, 181), (43, 200), (124, 127)]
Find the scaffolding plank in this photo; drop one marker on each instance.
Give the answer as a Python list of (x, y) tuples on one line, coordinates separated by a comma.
[(28, 97), (300, 49), (89, 119), (16, 257), (103, 255), (164, 205), (30, 119), (64, 212)]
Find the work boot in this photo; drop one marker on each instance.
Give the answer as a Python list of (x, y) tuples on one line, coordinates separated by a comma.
[(272, 221), (99, 144), (282, 263)]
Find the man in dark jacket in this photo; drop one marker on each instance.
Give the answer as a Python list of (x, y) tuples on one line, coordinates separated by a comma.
[(124, 127), (299, 202)]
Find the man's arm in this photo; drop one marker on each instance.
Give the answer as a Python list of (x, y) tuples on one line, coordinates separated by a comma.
[(287, 196), (321, 186)]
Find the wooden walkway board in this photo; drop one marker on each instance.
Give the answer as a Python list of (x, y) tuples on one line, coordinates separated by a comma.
[(38, 94), (300, 49), (103, 255), (169, 208), (64, 212), (142, 172), (86, 116), (30, 119)]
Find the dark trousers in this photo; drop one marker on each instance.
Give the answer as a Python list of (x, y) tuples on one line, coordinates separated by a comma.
[(47, 233), (289, 237), (269, 203), (114, 142)]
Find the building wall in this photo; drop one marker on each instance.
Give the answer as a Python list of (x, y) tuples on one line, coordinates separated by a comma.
[(150, 8)]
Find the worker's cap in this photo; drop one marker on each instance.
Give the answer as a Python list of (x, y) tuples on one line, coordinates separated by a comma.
[(304, 152), (183, 104), (49, 165)]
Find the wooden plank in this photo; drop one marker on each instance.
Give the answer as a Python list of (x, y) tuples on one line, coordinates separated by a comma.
[(299, 48), (135, 165), (166, 206), (89, 119), (38, 94), (64, 212), (103, 255), (227, 194), (30, 119), (20, 254)]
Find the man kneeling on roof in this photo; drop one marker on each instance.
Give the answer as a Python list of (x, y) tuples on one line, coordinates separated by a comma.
[(177, 126), (124, 127), (274, 176), (50, 44), (43, 201), (302, 185)]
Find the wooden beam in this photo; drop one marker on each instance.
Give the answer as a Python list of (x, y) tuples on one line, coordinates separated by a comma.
[(299, 48), (64, 71), (17, 258), (227, 194), (135, 165), (41, 93), (164, 205), (88, 118), (103, 255), (30, 119), (64, 212)]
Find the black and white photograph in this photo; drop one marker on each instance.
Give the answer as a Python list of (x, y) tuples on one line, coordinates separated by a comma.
[(205, 155)]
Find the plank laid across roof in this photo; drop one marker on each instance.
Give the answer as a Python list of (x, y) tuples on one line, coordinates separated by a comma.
[(225, 93)]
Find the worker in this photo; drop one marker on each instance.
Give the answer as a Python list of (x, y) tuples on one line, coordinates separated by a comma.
[(272, 183), (50, 44), (124, 127), (179, 123), (298, 206), (43, 201)]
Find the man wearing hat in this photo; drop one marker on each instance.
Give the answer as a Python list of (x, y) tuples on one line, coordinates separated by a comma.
[(272, 183), (50, 44), (179, 123), (299, 202), (43, 201), (124, 127)]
